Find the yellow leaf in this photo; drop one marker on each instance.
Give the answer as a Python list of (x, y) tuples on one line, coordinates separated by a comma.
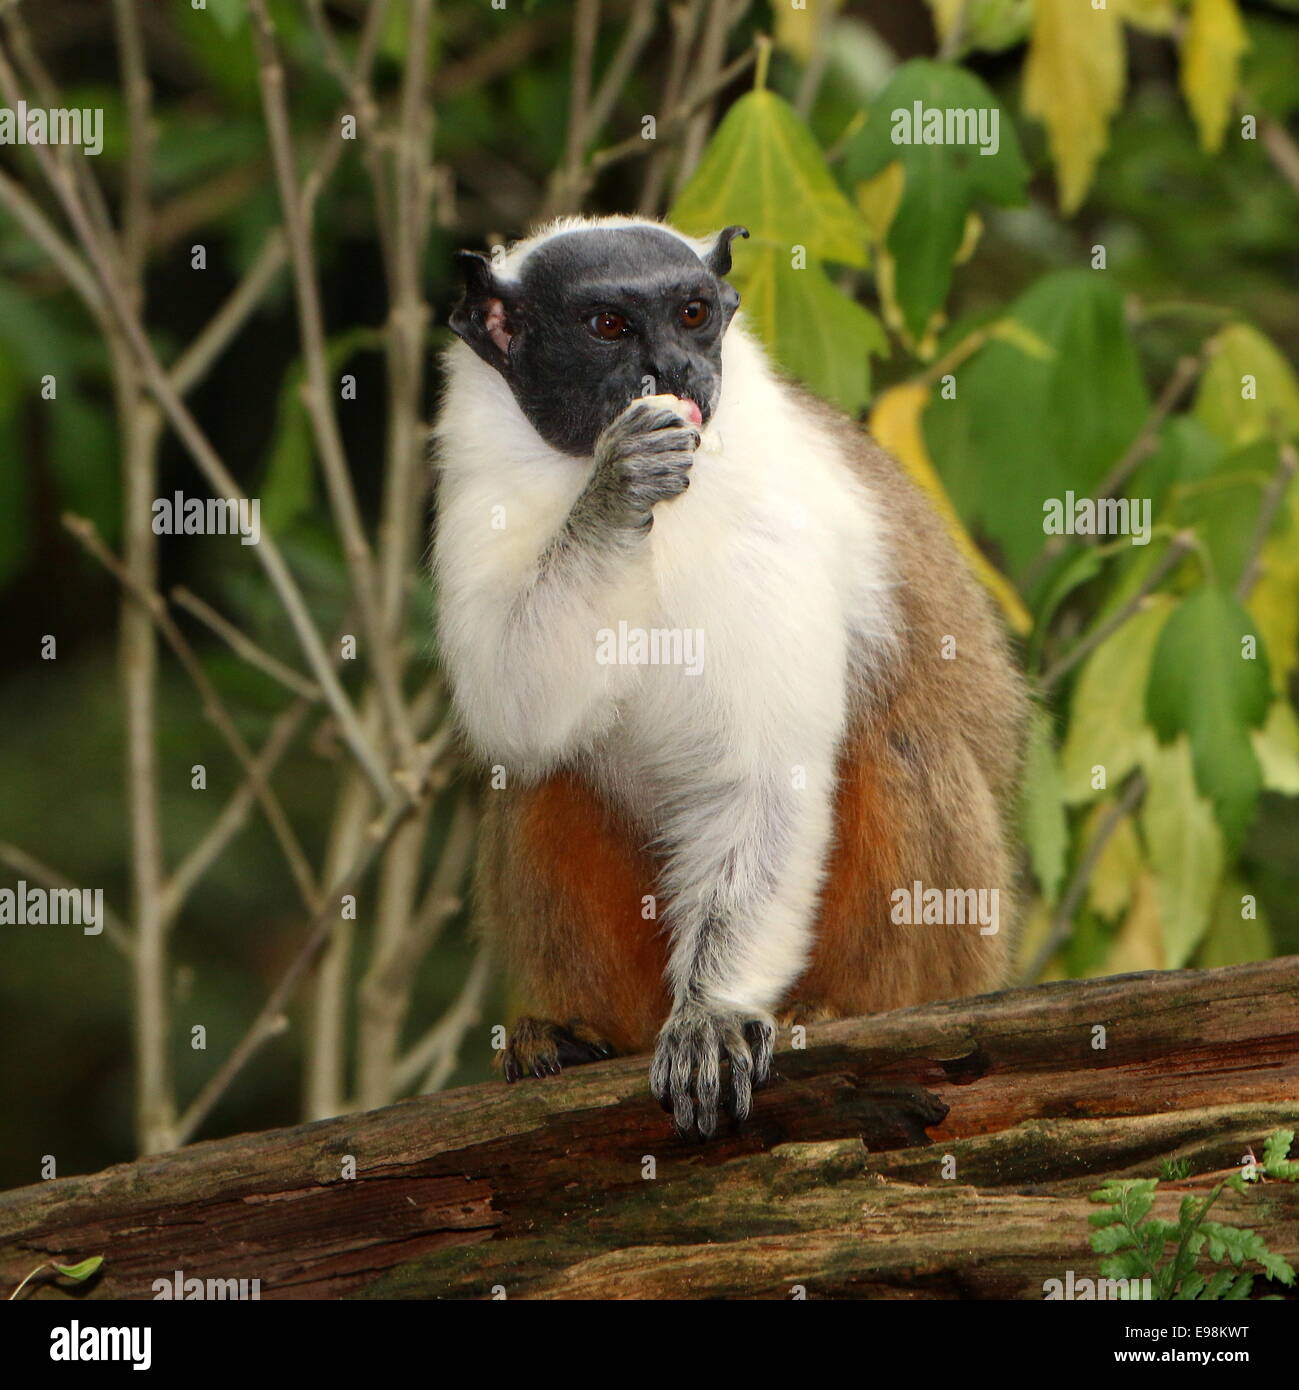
[(895, 423), (795, 29), (1035, 927), (1185, 848), (1154, 16), (1107, 718), (969, 238), (1017, 335), (1211, 52), (1276, 745), (1140, 942), (947, 14), (1234, 938), (1115, 873), (1274, 605), (1073, 83), (1248, 391), (878, 198)]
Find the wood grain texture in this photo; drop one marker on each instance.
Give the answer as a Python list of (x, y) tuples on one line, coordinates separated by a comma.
[(835, 1183)]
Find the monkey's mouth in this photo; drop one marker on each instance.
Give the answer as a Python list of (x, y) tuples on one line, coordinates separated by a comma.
[(692, 409)]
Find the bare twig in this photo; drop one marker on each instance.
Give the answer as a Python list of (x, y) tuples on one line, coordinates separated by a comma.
[(437, 1054), (234, 814), (678, 122), (685, 19), (155, 607), (414, 789), (195, 362), (1281, 150), (1287, 463), (194, 439), (1062, 921), (30, 867), (708, 64), (316, 391), (1180, 545), (244, 646), (43, 232), (1142, 446)]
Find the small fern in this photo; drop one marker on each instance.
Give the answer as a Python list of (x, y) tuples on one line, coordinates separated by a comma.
[(1135, 1243)]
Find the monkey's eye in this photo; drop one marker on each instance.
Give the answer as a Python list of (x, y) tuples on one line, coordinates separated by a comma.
[(693, 314), (607, 325)]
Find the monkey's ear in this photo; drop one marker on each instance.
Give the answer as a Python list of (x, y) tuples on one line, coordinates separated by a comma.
[(482, 316), (718, 260)]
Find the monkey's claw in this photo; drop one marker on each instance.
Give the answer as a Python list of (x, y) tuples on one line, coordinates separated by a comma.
[(686, 1075), (538, 1047)]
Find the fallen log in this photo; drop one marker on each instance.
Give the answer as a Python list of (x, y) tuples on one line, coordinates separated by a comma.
[(939, 1151)]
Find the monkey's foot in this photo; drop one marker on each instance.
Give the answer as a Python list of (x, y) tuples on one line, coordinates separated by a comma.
[(800, 1011), (538, 1047), (686, 1075)]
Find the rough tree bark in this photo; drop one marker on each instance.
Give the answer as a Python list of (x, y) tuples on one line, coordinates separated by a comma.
[(545, 1189)]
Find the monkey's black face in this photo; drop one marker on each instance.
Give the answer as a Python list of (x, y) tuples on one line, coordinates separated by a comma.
[(598, 317)]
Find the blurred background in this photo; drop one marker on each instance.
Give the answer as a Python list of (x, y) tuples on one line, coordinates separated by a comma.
[(1080, 311)]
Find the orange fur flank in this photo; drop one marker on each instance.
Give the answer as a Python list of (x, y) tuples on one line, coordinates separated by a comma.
[(590, 954), (604, 962)]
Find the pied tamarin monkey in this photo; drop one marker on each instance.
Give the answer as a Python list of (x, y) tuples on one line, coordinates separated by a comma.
[(673, 856)]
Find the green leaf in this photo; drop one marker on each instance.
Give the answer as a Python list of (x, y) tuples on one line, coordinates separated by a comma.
[(1248, 391), (1219, 1282), (817, 334), (1046, 830), (1130, 1264), (1026, 429), (84, 460), (764, 169), (229, 14), (288, 485), (1110, 1239), (80, 1271), (942, 183), (13, 479), (1231, 938), (1276, 1160), (1107, 721), (1070, 572), (1203, 685), (1185, 848), (989, 25)]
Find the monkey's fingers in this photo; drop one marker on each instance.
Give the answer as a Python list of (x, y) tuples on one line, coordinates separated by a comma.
[(761, 1036), (538, 1047)]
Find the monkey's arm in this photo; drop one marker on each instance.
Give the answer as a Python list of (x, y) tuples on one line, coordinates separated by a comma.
[(744, 865), (524, 647)]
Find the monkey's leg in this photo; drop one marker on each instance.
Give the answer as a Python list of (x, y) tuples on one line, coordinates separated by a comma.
[(562, 891), (538, 1047)]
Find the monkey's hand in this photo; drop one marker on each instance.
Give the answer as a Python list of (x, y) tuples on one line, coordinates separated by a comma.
[(642, 458), (686, 1075)]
